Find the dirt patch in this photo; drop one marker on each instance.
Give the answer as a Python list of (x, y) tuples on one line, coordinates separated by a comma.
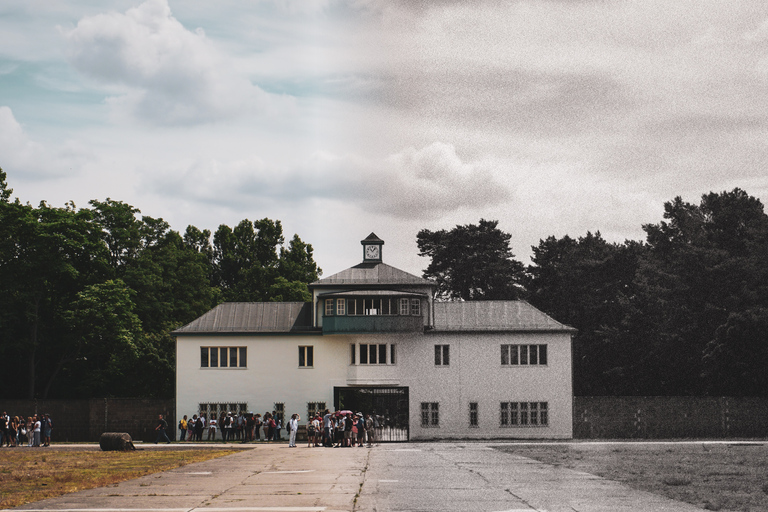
[(727, 477), (28, 475)]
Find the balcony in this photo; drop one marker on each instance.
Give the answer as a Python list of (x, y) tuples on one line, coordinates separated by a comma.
[(372, 375), (371, 324)]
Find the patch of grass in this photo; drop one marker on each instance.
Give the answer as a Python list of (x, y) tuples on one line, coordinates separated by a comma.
[(26, 476), (676, 480), (713, 477)]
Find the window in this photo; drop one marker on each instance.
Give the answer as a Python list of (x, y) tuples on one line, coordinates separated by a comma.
[(315, 408), (352, 347), (373, 353), (215, 410), (442, 355), (392, 351), (473, 414), (328, 307), (524, 414), (518, 355), (279, 412), (404, 309), (223, 357), (306, 357), (430, 414), (376, 307)]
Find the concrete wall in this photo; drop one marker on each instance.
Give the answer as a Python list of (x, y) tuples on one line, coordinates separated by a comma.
[(609, 417)]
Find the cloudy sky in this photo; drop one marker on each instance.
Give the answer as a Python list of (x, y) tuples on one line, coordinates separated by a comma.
[(343, 117)]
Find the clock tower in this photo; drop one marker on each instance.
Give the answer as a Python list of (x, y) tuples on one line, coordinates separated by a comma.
[(372, 249)]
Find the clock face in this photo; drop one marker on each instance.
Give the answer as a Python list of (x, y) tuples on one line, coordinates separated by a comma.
[(371, 252)]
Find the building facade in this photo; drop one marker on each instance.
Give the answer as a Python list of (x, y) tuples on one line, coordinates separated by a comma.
[(374, 340)]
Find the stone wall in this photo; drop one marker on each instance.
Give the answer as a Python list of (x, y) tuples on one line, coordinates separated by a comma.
[(610, 417)]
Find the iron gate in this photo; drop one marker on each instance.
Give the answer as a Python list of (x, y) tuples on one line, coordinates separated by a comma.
[(389, 406)]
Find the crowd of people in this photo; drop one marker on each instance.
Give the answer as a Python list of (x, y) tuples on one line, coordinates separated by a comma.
[(231, 427), (338, 429), (341, 429), (30, 431)]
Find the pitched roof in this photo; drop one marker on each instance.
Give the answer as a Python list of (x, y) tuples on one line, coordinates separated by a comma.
[(493, 316), (372, 274), (253, 317)]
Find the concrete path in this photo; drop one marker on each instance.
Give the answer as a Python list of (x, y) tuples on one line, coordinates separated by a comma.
[(396, 477), (476, 477)]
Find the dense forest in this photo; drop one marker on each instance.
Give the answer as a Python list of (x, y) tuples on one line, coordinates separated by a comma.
[(683, 313), (89, 296)]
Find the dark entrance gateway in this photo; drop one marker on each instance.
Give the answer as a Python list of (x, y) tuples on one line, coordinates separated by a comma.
[(389, 405)]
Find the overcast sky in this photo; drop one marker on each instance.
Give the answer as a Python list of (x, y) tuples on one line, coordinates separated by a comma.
[(342, 118)]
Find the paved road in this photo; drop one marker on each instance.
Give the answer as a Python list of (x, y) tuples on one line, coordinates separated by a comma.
[(397, 477)]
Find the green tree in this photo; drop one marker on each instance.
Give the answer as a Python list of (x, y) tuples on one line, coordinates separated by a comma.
[(585, 283), (107, 334), (472, 262)]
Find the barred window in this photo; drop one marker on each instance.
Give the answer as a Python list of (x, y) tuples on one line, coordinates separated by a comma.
[(315, 408), (524, 414), (430, 414)]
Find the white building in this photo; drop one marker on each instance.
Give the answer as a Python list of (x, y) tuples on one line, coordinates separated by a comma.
[(374, 340)]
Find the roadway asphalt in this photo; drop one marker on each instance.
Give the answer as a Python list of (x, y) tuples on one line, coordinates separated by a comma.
[(392, 477)]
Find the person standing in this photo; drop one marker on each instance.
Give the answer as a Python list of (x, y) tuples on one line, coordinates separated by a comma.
[(37, 427), (161, 427), (369, 430), (47, 429), (183, 428), (212, 428), (294, 426)]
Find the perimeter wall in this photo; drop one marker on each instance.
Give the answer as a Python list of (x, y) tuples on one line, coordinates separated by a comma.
[(86, 420), (668, 417), (594, 417)]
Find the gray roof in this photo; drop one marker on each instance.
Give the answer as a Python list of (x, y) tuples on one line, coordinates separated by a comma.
[(253, 317), (493, 316), (373, 274), (371, 293)]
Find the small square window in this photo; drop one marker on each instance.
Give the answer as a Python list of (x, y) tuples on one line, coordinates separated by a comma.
[(442, 355)]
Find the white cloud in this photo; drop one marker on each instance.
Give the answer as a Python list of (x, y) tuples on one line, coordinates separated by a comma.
[(170, 75), (22, 157), (415, 183)]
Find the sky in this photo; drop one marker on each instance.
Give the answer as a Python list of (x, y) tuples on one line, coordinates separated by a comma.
[(345, 117)]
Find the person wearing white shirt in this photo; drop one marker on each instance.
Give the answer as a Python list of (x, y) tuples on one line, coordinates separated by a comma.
[(294, 422)]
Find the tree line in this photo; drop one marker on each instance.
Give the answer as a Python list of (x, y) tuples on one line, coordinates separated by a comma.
[(89, 296), (684, 312)]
